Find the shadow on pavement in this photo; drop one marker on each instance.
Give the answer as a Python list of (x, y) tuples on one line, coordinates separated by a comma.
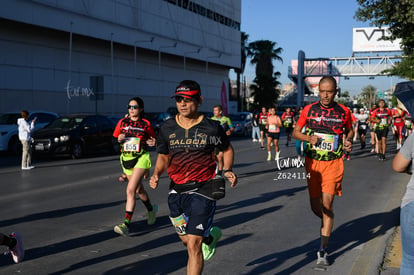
[(260, 198), (356, 232), (59, 213)]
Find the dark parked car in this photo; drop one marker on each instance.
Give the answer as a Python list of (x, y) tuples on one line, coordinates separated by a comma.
[(157, 119), (242, 123), (76, 135)]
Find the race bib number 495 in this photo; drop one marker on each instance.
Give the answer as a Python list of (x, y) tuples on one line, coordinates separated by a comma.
[(132, 145), (328, 143)]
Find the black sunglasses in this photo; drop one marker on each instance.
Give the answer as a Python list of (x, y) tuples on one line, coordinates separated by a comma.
[(178, 99), (133, 107)]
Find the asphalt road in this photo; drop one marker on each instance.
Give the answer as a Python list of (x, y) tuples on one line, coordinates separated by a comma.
[(66, 210)]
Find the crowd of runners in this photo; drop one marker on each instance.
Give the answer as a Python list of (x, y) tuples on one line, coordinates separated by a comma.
[(374, 123), (197, 155)]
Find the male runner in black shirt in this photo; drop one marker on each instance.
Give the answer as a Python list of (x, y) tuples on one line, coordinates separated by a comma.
[(186, 148)]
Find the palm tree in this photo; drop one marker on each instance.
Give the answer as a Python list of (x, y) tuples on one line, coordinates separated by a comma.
[(262, 54), (369, 95), (264, 92), (239, 71)]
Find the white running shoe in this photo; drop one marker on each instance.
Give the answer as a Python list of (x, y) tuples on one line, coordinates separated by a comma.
[(322, 258)]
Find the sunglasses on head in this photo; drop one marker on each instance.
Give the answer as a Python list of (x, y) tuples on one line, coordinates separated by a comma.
[(178, 99), (133, 107)]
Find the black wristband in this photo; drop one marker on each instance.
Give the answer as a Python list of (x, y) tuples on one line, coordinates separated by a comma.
[(229, 170)]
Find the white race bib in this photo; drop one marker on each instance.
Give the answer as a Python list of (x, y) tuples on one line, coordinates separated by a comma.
[(328, 143), (273, 128), (132, 145)]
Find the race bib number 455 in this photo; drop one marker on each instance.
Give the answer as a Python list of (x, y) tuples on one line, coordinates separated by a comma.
[(327, 143), (132, 145), (180, 224)]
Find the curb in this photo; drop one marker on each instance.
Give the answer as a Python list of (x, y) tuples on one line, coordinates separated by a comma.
[(392, 254)]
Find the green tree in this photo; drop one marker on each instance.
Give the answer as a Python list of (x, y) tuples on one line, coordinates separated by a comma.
[(399, 17), (262, 54), (369, 96), (394, 101), (345, 94)]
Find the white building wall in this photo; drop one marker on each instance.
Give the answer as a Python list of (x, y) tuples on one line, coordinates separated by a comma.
[(37, 62)]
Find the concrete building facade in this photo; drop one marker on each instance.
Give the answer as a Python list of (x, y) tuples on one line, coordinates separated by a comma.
[(62, 55)]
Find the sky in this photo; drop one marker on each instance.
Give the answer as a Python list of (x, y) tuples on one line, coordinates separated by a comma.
[(321, 28)]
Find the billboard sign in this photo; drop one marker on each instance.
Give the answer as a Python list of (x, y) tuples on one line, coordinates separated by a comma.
[(370, 40)]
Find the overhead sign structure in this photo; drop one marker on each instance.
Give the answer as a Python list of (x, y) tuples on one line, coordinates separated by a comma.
[(371, 40)]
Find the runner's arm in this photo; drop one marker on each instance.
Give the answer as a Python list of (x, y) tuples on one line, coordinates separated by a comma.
[(400, 163), (160, 166), (279, 122), (297, 134), (228, 159), (349, 134)]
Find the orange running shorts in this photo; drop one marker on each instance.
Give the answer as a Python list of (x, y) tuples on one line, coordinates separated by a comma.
[(324, 176)]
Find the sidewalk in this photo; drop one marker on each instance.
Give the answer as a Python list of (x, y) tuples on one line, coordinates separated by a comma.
[(392, 255)]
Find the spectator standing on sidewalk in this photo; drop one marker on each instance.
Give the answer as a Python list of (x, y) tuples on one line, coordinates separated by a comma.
[(255, 128), (25, 130), (403, 163)]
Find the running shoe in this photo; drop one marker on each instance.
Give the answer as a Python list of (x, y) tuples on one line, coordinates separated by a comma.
[(210, 249), (362, 145), (122, 229), (348, 157), (269, 157), (17, 251), (262, 147), (277, 155), (322, 258), (151, 215)]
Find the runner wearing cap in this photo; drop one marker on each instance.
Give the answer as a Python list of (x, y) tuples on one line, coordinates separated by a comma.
[(186, 148)]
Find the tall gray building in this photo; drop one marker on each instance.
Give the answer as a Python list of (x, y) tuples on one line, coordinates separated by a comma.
[(72, 56)]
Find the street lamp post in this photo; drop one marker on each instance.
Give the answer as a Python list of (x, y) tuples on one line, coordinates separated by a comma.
[(185, 53), (211, 57), (159, 54), (135, 55)]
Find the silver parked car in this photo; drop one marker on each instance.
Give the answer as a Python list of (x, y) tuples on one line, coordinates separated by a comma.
[(242, 122)]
